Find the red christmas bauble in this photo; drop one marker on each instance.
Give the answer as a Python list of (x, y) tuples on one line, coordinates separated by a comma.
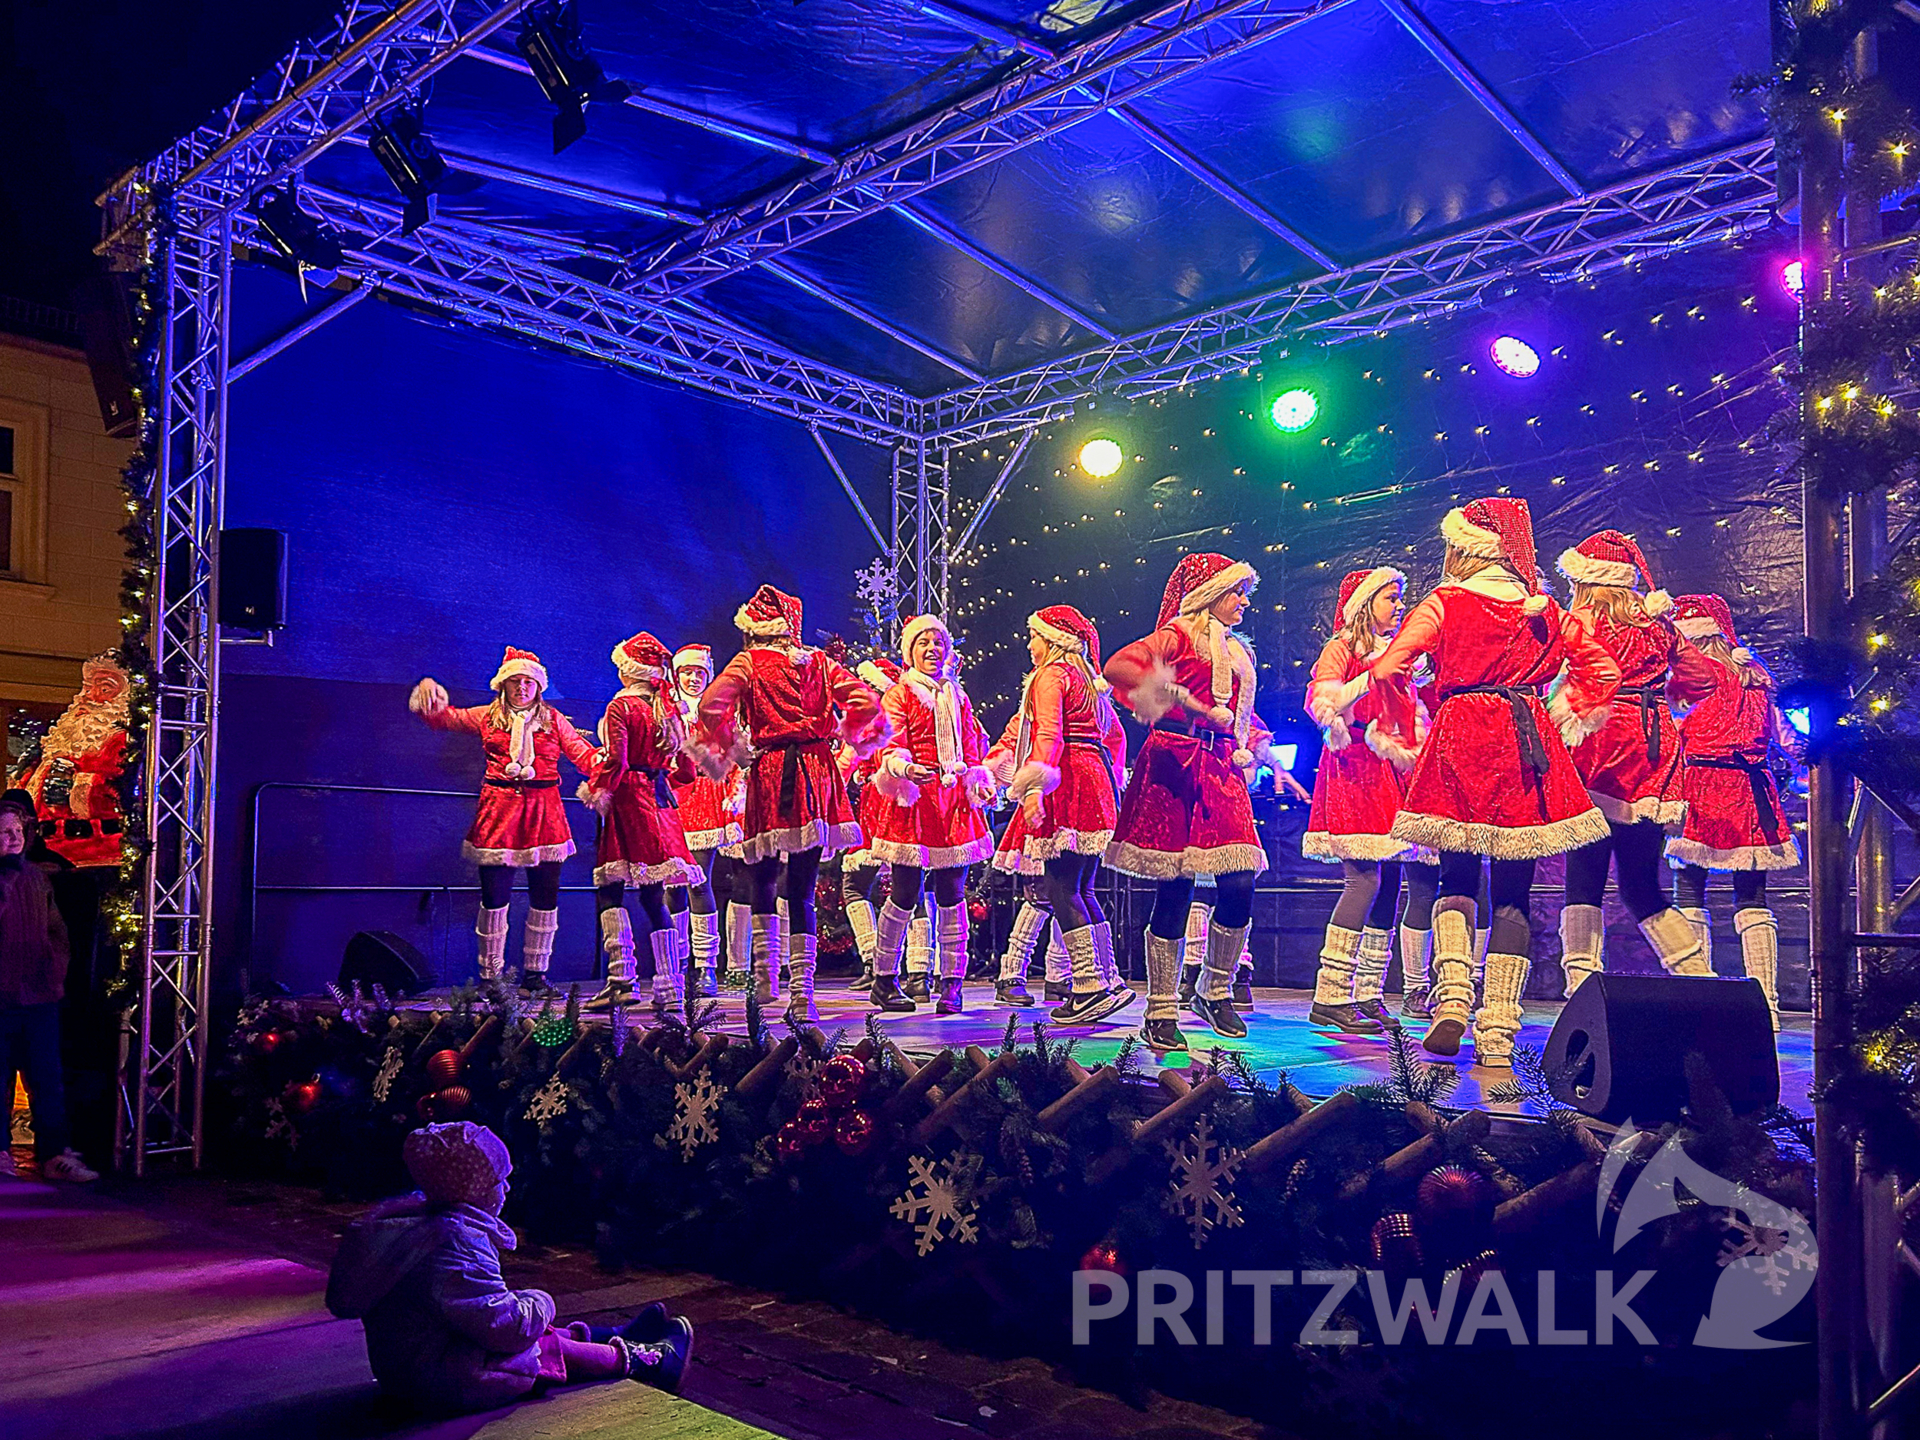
[(1454, 1201), (977, 911), (853, 1132), (452, 1102), (443, 1068), (267, 1041), (815, 1120), (1395, 1246), (841, 1080), (789, 1142), (1104, 1256), (303, 1097)]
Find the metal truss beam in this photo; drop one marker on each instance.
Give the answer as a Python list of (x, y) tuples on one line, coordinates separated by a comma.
[(371, 56), (840, 474), (920, 217), (329, 311), (1039, 99), (1441, 49), (807, 285), (460, 270), (921, 538), (1696, 202)]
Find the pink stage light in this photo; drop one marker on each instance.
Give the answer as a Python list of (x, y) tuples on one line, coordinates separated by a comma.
[(1793, 278), (1515, 356)]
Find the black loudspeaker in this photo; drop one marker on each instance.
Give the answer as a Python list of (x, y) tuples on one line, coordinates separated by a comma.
[(253, 579), (106, 328), (380, 957), (1619, 1049)]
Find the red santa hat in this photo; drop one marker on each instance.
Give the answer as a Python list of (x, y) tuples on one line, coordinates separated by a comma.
[(1701, 617), (879, 672), (1358, 587), (1609, 558), (519, 662), (1497, 527), (1198, 581), (918, 626), (641, 658), (1066, 627), (694, 657), (770, 615)]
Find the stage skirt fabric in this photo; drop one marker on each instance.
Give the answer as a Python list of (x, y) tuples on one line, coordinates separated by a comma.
[(1617, 764), (817, 814), (1078, 817), (519, 825), (1471, 791), (1186, 812), (1734, 820), (867, 808), (942, 828), (640, 841), (704, 818), (1356, 798)]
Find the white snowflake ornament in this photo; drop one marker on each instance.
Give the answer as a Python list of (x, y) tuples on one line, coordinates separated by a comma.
[(804, 1069), (876, 585), (389, 1071), (936, 1200), (549, 1102), (1200, 1193), (696, 1117), (279, 1127)]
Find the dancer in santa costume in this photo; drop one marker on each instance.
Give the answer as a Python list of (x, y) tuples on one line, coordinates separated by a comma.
[(1494, 779), (1631, 764), (1734, 820), (861, 872), (1187, 811), (1063, 757), (641, 842), (795, 701), (1373, 731), (931, 829), (521, 823), (710, 819)]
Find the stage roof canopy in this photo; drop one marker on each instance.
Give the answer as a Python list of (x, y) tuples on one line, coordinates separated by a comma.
[(896, 219)]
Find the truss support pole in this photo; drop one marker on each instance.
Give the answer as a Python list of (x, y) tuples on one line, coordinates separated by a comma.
[(166, 1068), (921, 546), (1829, 955)]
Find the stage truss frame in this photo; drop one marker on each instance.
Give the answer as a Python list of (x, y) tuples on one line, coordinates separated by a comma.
[(644, 313)]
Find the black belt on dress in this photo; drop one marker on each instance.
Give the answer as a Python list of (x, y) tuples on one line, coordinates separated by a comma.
[(1533, 750), (1772, 819), (1106, 763), (1648, 698), (83, 829), (792, 772), (1202, 734), (663, 795), (524, 784)]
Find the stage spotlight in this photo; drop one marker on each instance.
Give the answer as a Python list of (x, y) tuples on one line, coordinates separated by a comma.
[(552, 45), (413, 163), (1793, 278), (310, 243), (1294, 410), (1515, 356), (1101, 457)]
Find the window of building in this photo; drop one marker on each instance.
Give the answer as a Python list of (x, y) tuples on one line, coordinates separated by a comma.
[(23, 491)]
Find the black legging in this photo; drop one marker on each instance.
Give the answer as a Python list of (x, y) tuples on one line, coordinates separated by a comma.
[(1690, 888), (949, 886), (795, 887), (1509, 889), (700, 897), (653, 901), (1068, 886), (543, 885), (731, 885), (1423, 885), (1172, 899), (1636, 852), (1369, 894)]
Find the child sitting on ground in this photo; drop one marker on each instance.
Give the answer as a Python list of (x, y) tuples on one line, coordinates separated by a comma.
[(422, 1273)]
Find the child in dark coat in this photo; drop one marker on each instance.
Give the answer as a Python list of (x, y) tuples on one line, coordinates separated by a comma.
[(422, 1273)]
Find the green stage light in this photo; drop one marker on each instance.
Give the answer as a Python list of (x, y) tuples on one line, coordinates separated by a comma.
[(1101, 457), (1294, 410)]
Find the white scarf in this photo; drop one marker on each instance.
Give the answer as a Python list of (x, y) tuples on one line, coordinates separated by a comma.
[(944, 699), (522, 726), (1230, 660)]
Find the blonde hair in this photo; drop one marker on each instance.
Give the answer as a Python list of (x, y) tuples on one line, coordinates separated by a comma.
[(1078, 661), (1462, 566), (501, 714), (1616, 602), (1753, 675)]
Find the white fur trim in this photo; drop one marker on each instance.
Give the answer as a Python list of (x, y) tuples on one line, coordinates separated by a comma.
[(829, 840), (1149, 864), (693, 657), (429, 697), (873, 675), (1657, 603), (1203, 595), (717, 763), (1035, 850), (1682, 851), (598, 801), (1390, 750), (1156, 695), (1666, 813), (864, 740), (1054, 635), (519, 859), (713, 839), (980, 785), (1585, 570), (1697, 627), (760, 629), (1574, 727), (1534, 604), (1469, 538), (678, 874), (945, 857), (1324, 845), (1377, 580), (896, 787), (1501, 842), (532, 669)]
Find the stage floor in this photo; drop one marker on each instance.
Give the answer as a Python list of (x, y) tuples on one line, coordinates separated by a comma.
[(1279, 1037)]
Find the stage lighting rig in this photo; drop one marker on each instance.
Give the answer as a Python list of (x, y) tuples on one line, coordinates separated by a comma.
[(309, 242), (400, 142), (552, 45)]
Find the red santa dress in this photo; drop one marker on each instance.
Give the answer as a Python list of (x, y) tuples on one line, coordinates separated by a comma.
[(709, 809), (1494, 777), (1632, 763), (936, 824), (1187, 810), (795, 702), (1066, 741), (641, 841)]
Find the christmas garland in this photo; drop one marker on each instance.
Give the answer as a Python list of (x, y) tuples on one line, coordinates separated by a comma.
[(961, 1194)]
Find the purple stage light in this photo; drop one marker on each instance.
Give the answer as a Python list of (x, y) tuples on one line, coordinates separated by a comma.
[(1793, 278), (1515, 356)]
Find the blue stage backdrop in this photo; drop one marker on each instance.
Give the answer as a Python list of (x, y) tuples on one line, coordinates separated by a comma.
[(446, 494)]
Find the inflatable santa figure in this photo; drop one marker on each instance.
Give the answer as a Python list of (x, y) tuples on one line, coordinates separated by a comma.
[(75, 781)]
